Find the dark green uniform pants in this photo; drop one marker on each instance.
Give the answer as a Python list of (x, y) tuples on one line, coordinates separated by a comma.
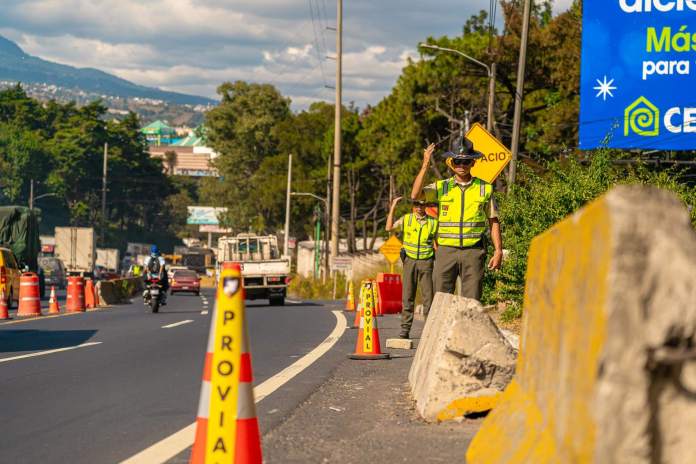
[(418, 273), (467, 263)]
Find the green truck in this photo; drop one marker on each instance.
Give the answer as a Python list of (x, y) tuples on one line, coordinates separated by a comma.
[(19, 231)]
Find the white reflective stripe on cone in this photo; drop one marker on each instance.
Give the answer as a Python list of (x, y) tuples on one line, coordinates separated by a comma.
[(204, 401), (245, 401)]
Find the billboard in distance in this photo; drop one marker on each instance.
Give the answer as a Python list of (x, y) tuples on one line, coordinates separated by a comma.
[(204, 215), (637, 74)]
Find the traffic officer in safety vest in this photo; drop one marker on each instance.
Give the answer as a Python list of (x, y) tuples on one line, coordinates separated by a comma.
[(466, 209), (418, 254)]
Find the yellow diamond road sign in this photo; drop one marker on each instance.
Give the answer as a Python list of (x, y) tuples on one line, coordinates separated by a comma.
[(495, 155), (391, 249)]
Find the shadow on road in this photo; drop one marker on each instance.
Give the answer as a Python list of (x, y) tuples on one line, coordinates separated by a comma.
[(38, 340)]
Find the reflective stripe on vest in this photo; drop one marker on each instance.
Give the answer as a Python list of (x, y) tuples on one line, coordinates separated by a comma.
[(418, 238), (462, 212)]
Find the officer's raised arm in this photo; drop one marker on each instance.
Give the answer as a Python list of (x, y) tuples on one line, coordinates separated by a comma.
[(420, 178), (390, 217)]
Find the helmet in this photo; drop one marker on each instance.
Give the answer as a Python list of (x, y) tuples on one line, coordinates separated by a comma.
[(464, 149), (154, 250)]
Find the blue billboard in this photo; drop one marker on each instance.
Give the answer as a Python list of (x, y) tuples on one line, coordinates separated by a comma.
[(638, 74)]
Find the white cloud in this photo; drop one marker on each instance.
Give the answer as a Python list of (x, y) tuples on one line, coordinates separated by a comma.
[(194, 45)]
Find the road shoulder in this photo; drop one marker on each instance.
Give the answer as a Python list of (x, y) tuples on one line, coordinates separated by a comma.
[(364, 413)]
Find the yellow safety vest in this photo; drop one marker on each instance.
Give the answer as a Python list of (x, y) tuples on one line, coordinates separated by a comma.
[(418, 238), (462, 212)]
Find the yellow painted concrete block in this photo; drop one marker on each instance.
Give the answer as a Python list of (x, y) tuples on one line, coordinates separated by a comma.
[(598, 300)]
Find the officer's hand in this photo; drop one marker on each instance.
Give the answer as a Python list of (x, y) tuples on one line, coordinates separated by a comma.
[(496, 261), (427, 154), (395, 201)]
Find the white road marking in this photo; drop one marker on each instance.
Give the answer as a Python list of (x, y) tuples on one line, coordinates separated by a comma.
[(41, 353), (177, 324), (293, 301), (166, 449), (204, 312)]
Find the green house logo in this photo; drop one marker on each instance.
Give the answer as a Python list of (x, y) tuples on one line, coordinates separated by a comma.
[(642, 118)]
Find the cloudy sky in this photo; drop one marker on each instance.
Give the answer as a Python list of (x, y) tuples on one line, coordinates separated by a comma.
[(192, 46)]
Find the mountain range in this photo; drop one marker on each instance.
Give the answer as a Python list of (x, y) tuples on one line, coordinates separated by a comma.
[(18, 66)]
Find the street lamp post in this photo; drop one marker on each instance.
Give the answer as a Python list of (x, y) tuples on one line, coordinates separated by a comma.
[(317, 235), (490, 72)]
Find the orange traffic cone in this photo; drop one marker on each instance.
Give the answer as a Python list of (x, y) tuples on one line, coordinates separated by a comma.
[(350, 300), (90, 302), (4, 312), (53, 307), (367, 346), (361, 306), (227, 429)]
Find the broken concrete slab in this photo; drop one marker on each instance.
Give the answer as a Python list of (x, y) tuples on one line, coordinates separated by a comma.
[(463, 361)]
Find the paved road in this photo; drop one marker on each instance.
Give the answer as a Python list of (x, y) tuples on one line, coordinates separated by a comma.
[(134, 382)]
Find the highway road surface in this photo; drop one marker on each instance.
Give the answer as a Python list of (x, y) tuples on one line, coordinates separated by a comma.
[(104, 386)]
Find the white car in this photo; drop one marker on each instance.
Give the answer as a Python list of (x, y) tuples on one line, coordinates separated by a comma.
[(172, 269)]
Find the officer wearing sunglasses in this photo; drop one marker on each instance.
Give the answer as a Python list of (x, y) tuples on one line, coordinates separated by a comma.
[(466, 210)]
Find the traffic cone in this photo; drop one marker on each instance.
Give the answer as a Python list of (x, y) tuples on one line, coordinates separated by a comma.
[(4, 312), (227, 396), (350, 301), (367, 346), (53, 307), (361, 305)]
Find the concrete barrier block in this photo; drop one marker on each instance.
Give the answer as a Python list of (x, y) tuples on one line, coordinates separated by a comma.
[(462, 363), (400, 343), (604, 373)]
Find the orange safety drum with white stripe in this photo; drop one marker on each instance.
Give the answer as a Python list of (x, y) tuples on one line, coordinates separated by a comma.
[(29, 297)]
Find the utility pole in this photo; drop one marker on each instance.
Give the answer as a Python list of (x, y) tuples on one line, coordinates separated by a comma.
[(286, 240), (491, 98), (336, 197), (519, 93), (103, 205), (31, 194)]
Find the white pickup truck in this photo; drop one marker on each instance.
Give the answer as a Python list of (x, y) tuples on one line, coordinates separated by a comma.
[(264, 270)]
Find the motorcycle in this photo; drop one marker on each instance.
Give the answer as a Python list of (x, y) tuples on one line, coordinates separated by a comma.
[(153, 294)]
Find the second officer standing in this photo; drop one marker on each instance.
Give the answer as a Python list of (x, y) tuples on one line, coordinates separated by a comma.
[(418, 254)]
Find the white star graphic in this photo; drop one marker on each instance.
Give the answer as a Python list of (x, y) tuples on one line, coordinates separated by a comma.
[(604, 88)]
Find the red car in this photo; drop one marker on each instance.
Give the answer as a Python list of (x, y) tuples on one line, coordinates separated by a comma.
[(185, 281)]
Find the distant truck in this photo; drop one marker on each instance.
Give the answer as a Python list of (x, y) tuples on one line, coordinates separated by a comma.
[(19, 231), (264, 270), (76, 247), (109, 259)]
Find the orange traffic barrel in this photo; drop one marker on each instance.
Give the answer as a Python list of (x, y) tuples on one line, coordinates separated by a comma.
[(29, 298), (90, 300), (76, 295)]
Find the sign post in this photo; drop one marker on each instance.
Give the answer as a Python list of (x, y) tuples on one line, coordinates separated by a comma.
[(637, 75), (391, 250)]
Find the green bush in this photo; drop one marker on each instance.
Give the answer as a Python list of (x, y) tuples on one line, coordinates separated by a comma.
[(538, 201), (308, 288)]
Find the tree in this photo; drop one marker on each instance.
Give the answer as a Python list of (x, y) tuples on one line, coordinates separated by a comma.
[(170, 159), (242, 130)]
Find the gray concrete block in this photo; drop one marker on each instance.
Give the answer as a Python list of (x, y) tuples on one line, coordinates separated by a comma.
[(461, 355), (400, 343)]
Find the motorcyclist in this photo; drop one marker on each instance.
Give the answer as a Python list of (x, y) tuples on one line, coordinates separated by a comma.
[(161, 274)]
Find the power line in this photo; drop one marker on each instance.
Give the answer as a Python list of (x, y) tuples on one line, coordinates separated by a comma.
[(317, 46)]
